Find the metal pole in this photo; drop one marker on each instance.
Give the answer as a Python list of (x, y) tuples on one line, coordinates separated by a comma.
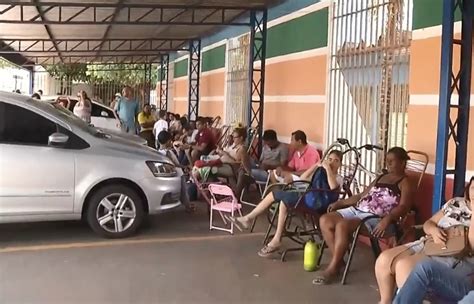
[(444, 105), (194, 79), (257, 52), (164, 65), (464, 99)]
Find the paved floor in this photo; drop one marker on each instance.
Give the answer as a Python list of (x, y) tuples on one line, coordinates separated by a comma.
[(175, 259)]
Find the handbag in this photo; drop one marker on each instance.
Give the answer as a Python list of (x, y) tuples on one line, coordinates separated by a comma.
[(457, 244)]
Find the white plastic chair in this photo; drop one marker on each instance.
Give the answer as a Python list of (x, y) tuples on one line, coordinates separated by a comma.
[(223, 201)]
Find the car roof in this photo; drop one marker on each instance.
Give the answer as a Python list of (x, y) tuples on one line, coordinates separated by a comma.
[(52, 98)]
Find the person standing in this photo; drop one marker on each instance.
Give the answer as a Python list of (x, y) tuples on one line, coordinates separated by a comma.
[(127, 109), (160, 125), (83, 107), (147, 121)]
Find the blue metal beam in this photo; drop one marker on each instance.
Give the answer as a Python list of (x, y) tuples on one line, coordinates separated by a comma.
[(164, 66), (194, 76), (453, 82), (258, 53)]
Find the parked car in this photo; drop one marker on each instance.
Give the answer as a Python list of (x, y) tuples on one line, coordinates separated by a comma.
[(54, 166), (102, 117)]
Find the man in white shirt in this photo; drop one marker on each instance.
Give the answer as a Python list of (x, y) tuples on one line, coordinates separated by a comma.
[(160, 125)]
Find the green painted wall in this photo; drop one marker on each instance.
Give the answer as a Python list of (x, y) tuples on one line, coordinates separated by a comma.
[(428, 13), (304, 33), (213, 59), (181, 68), (297, 35)]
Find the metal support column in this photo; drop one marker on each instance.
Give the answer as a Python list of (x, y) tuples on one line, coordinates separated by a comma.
[(164, 65), (32, 80), (148, 84), (194, 77), (451, 83), (258, 50)]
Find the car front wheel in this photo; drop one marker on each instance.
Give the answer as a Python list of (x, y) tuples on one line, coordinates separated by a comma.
[(115, 211)]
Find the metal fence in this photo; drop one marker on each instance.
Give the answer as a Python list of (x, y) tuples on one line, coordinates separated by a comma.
[(101, 91), (369, 69), (237, 80)]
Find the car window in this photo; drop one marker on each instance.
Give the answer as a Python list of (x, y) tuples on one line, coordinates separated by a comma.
[(98, 109), (72, 104), (22, 126)]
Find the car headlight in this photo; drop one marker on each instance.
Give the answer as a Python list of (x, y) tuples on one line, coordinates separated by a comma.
[(161, 169)]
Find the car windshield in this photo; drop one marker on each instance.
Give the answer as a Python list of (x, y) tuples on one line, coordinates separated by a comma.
[(65, 113)]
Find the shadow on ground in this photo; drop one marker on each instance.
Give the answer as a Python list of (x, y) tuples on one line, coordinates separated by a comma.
[(175, 259)]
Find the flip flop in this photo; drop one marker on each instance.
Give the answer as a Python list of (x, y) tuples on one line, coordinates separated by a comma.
[(267, 251), (323, 279), (238, 224)]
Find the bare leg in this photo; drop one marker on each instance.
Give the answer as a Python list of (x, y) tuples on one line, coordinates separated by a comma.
[(276, 240), (344, 229), (243, 222), (261, 207), (385, 278), (404, 267), (328, 223)]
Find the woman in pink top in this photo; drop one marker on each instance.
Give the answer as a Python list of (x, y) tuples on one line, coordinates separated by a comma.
[(83, 107)]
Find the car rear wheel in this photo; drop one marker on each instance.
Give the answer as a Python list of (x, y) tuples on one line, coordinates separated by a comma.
[(115, 211)]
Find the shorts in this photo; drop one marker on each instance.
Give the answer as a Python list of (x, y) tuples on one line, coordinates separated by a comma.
[(353, 213), (289, 198)]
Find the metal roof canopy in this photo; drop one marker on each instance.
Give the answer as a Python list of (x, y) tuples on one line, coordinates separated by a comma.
[(113, 31)]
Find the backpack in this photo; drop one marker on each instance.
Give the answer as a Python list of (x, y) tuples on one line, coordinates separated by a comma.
[(320, 200)]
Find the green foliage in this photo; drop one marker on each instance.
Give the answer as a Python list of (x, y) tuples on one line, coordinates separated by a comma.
[(71, 72), (131, 74)]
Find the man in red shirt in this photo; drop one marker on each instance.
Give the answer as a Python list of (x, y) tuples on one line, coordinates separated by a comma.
[(205, 140), (303, 158)]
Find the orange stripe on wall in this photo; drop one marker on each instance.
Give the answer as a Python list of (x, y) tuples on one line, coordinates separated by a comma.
[(425, 65), (180, 107), (285, 118), (211, 108), (180, 88), (212, 84), (297, 77), (422, 133)]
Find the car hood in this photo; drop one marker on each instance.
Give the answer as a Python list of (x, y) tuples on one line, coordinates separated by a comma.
[(119, 145), (130, 137)]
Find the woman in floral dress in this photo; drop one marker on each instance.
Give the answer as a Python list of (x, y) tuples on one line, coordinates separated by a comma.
[(389, 197)]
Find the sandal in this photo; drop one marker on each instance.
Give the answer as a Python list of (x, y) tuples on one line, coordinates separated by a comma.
[(323, 279), (267, 251), (239, 224)]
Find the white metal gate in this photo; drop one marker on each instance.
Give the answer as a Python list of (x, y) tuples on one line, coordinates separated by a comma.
[(237, 80), (369, 67)]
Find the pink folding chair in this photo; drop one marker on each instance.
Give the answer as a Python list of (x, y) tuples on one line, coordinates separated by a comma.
[(223, 201)]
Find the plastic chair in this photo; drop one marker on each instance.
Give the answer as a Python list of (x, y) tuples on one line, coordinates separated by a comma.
[(223, 201)]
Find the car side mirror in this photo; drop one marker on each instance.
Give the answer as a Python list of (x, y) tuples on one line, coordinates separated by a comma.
[(58, 139), (104, 114)]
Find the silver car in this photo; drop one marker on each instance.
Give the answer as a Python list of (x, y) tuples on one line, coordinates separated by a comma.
[(53, 166)]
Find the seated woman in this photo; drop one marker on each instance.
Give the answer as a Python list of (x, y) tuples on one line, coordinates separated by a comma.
[(389, 197), (231, 159), (395, 265), (289, 199), (446, 283)]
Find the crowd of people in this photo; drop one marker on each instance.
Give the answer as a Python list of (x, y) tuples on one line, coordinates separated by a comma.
[(407, 269), (405, 274)]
